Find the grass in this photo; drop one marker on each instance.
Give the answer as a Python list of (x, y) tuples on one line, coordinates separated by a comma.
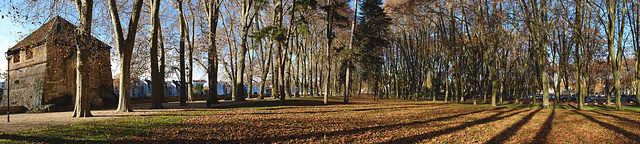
[(308, 120)]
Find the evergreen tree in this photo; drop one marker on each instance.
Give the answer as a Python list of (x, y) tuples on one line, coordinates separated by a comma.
[(371, 35)]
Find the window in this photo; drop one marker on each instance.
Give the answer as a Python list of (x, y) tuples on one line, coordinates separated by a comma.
[(16, 58), (29, 53)]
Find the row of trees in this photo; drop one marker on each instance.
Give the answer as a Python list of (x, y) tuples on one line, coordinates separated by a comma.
[(288, 44), (406, 49), (469, 48)]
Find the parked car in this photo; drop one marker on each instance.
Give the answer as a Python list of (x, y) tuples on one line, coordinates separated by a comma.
[(589, 99), (538, 97), (563, 98), (632, 100), (574, 98)]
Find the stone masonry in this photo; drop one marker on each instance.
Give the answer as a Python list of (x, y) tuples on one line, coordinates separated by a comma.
[(43, 69)]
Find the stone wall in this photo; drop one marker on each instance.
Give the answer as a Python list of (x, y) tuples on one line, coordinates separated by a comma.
[(61, 74), (49, 78), (27, 79)]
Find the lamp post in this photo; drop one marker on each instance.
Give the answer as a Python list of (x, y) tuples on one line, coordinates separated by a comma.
[(7, 82)]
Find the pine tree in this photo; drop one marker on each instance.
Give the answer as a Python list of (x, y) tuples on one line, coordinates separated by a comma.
[(371, 34)]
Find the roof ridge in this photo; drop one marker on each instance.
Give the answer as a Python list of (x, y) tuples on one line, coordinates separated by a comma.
[(53, 24)]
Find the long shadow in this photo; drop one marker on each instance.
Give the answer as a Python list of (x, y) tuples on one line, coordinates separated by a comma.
[(357, 130), (391, 108), (311, 112), (606, 107), (509, 132), (574, 107), (618, 117), (416, 138), (277, 103), (544, 132), (274, 113), (625, 133)]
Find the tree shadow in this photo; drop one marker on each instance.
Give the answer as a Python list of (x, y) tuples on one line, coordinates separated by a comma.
[(544, 132), (359, 130), (509, 132), (618, 117), (625, 133), (278, 103), (429, 135), (574, 107)]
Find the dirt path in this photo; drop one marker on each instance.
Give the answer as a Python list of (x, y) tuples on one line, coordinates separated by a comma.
[(37, 120)]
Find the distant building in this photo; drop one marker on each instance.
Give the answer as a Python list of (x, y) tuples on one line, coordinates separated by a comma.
[(43, 70), (172, 88), (142, 89), (202, 82)]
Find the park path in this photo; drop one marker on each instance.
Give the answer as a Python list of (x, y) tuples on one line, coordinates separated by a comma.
[(36, 120)]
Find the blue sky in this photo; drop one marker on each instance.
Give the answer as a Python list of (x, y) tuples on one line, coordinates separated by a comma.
[(8, 38)]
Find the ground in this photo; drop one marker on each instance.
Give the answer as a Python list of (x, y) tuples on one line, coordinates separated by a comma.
[(308, 120)]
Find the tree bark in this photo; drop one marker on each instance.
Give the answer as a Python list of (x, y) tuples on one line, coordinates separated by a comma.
[(156, 83), (328, 55), (238, 94), (183, 87), (347, 85), (212, 8), (125, 48), (82, 106)]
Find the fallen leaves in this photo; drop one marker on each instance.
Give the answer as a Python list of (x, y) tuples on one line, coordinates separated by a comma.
[(361, 122)]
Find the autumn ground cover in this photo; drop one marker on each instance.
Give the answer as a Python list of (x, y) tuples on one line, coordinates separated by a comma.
[(363, 121)]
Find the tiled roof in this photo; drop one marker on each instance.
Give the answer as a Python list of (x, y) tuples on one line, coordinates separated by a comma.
[(57, 28)]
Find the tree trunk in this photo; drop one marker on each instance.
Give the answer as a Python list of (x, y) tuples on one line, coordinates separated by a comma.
[(190, 72), (161, 69), (125, 48), (83, 99), (124, 101), (347, 84), (213, 11), (266, 71), (156, 83), (238, 95)]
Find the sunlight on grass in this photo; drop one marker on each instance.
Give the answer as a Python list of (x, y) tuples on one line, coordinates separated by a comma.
[(321, 98), (385, 121), (569, 107)]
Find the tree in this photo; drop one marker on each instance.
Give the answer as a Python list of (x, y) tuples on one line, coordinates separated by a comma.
[(156, 80), (615, 55), (536, 23), (247, 20), (634, 24), (372, 31), (125, 49), (329, 37), (183, 37), (82, 106), (347, 83), (212, 8)]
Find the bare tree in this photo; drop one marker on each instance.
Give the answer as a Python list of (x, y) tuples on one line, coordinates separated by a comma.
[(125, 49)]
